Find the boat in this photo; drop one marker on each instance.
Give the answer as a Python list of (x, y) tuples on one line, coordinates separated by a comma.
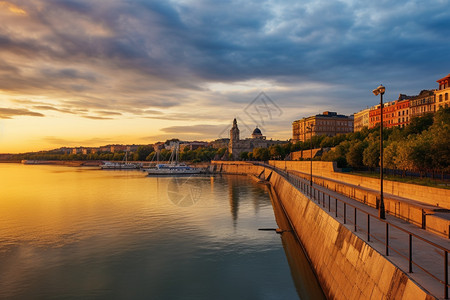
[(124, 165), (173, 167)]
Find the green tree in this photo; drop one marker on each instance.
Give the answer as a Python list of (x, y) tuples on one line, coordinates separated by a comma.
[(371, 155), (142, 152), (354, 155), (243, 155)]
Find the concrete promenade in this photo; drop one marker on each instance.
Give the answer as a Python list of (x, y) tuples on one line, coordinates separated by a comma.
[(418, 253)]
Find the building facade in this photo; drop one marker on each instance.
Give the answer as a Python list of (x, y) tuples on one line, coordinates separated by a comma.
[(329, 123), (423, 103), (361, 120), (442, 97), (236, 146), (395, 113)]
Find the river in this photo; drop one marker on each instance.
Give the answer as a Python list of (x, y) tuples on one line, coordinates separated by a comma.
[(84, 233)]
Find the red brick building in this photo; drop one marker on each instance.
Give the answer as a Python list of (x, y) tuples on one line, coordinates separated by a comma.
[(395, 113)]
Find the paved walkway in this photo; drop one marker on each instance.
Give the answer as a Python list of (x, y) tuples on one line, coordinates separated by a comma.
[(428, 251)]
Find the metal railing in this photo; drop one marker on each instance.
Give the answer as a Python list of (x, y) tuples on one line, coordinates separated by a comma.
[(341, 207)]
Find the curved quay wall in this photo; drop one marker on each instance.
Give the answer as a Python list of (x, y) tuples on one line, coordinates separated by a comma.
[(346, 266)]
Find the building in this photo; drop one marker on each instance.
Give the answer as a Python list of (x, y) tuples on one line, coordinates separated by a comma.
[(118, 148), (361, 120), (193, 145), (329, 123), (442, 98), (401, 113), (236, 146), (395, 113), (423, 103), (220, 143)]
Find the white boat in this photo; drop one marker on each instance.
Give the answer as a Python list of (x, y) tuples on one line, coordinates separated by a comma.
[(124, 165), (108, 165), (173, 167)]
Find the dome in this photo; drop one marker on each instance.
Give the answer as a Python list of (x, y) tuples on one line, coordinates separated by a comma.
[(257, 131)]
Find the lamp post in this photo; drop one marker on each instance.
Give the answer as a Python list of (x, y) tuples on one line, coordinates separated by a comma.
[(310, 128), (380, 90)]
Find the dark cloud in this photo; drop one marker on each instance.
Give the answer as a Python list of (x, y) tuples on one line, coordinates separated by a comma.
[(9, 113), (134, 56)]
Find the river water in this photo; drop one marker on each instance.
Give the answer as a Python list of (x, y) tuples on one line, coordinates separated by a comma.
[(82, 233)]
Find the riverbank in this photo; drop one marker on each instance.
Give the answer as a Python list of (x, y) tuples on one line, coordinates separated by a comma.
[(347, 265)]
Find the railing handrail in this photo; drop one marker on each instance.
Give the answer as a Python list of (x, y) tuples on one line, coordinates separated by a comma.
[(366, 212), (411, 234)]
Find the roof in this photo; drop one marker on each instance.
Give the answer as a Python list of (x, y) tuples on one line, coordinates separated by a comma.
[(257, 131)]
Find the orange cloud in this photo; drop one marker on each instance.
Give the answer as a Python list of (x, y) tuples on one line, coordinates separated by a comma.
[(13, 8)]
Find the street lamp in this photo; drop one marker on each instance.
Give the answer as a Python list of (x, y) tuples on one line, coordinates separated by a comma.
[(380, 90), (310, 128)]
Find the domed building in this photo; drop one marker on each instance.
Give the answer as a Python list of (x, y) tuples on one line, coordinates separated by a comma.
[(236, 146), (257, 134)]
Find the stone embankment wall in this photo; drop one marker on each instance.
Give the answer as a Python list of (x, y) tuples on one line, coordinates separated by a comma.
[(441, 197), (346, 266)]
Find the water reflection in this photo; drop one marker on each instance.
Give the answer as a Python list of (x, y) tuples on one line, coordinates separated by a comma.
[(233, 197), (305, 280), (83, 233)]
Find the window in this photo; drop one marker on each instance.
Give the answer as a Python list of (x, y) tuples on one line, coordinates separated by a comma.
[(440, 98), (446, 96)]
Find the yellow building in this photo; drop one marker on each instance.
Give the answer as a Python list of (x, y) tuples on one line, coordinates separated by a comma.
[(361, 119), (329, 123), (442, 98)]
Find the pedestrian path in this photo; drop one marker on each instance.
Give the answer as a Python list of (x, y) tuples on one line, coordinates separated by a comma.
[(423, 256)]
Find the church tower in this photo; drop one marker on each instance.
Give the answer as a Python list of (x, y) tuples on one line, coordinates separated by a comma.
[(234, 138), (234, 132)]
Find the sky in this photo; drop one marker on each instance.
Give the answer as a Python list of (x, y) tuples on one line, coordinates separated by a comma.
[(90, 73)]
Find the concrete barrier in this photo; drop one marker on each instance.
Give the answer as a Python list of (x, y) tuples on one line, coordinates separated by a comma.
[(346, 266)]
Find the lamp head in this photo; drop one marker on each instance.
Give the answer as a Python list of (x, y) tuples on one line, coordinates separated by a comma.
[(379, 90)]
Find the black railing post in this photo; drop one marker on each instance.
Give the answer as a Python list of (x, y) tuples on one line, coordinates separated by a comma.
[(345, 213), (329, 203), (335, 199), (387, 239), (446, 274), (410, 253), (368, 227)]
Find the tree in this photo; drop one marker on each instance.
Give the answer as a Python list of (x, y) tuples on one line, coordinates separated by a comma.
[(261, 154), (390, 154), (142, 152), (354, 155), (243, 155), (371, 155)]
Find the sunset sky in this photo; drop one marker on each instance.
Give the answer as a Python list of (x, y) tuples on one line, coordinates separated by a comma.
[(82, 72)]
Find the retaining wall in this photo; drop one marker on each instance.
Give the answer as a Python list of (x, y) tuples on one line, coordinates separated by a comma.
[(346, 266)]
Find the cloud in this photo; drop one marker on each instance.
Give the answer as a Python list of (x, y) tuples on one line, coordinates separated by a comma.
[(205, 129), (97, 118), (9, 113), (203, 60)]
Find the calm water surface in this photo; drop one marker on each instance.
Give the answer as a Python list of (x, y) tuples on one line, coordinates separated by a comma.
[(79, 233)]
